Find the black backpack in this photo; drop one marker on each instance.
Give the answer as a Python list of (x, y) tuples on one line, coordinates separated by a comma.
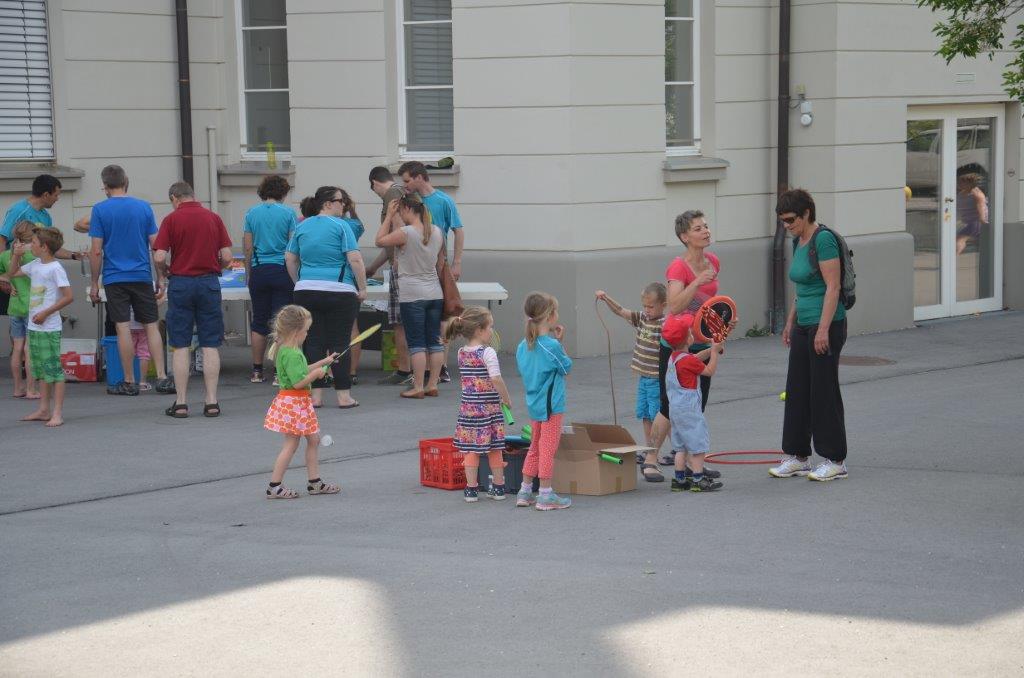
[(847, 275)]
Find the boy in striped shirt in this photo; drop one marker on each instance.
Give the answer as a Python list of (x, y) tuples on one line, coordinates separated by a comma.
[(648, 324)]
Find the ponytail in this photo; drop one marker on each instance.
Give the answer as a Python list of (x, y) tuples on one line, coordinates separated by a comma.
[(538, 307), (454, 329), (306, 208), (411, 202), (468, 323), (314, 204)]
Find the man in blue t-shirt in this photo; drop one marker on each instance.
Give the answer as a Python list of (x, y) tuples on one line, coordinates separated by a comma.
[(45, 194), (123, 230), (46, 190), (443, 212)]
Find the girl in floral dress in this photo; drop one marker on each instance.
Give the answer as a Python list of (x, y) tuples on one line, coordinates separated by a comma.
[(481, 426), (292, 413)]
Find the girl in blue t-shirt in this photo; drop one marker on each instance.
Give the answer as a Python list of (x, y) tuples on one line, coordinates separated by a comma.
[(543, 365)]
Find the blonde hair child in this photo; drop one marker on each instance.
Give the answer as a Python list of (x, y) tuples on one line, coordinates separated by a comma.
[(481, 426), (543, 364), (50, 292), (646, 350), (292, 414)]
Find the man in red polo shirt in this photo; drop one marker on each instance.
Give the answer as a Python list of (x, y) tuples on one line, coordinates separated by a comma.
[(200, 249)]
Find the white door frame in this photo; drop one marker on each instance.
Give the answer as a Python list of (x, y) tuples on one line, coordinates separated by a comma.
[(948, 305)]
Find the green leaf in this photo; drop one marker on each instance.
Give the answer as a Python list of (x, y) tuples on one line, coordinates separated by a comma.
[(975, 27)]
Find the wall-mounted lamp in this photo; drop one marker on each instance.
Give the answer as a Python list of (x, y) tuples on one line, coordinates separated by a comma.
[(806, 115)]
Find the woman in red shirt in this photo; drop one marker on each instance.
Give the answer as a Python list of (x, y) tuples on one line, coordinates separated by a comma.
[(692, 280)]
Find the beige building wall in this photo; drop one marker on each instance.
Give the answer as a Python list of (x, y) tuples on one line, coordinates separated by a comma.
[(563, 180)]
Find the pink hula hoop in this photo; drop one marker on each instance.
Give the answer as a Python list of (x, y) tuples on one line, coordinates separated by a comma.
[(714, 457)]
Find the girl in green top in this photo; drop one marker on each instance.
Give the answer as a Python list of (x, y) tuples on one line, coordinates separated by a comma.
[(292, 413), (815, 332), (18, 288)]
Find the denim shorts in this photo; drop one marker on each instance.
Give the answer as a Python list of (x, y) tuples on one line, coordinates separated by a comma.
[(19, 327), (194, 302), (648, 398), (422, 323)]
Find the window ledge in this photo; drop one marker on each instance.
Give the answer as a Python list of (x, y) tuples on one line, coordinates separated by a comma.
[(439, 178), (16, 177), (250, 174), (680, 169)]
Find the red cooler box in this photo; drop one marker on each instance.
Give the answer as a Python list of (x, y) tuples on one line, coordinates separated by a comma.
[(78, 358)]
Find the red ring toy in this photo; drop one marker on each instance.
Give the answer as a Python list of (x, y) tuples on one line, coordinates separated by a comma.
[(713, 318), (713, 457)]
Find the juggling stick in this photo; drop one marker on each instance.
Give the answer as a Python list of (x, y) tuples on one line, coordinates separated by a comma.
[(365, 334)]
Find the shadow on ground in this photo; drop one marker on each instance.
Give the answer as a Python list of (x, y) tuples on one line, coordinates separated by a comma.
[(159, 546)]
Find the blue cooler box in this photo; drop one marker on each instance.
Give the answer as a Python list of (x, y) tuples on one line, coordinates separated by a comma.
[(112, 362)]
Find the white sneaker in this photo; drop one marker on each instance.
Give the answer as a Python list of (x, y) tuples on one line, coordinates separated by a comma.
[(828, 470), (792, 466)]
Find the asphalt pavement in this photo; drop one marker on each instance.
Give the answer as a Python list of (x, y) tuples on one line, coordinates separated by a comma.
[(138, 545)]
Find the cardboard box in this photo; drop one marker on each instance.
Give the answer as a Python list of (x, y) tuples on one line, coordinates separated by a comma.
[(78, 358), (579, 468)]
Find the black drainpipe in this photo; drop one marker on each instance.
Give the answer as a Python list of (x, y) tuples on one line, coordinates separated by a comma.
[(778, 312), (184, 91)]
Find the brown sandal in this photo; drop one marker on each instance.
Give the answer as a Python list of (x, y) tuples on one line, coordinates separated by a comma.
[(320, 487), (281, 492), (415, 395), (430, 393), (655, 476)]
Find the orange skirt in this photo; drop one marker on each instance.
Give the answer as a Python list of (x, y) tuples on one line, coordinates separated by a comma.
[(292, 413)]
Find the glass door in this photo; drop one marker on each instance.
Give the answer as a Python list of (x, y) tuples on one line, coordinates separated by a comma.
[(954, 209)]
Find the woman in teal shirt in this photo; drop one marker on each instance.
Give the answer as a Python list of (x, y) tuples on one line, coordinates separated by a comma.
[(815, 332), (268, 226), (330, 282)]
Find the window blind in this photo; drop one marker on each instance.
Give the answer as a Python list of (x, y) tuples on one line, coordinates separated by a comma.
[(429, 109), (26, 110)]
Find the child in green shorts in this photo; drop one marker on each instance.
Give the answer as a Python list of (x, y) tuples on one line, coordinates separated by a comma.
[(49, 292)]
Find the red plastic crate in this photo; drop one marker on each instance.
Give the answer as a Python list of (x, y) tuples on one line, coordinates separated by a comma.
[(441, 465)]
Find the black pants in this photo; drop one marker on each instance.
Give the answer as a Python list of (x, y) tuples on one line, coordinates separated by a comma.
[(333, 314), (814, 404), (664, 353)]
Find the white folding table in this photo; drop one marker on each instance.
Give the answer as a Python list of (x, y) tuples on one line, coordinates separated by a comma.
[(488, 292)]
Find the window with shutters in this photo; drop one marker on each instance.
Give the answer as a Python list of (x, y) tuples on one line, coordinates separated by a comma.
[(263, 62), (26, 104), (682, 85), (426, 113)]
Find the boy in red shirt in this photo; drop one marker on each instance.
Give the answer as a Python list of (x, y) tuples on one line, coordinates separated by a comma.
[(690, 437)]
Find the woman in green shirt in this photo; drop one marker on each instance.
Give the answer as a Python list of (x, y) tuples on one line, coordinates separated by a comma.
[(815, 332)]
